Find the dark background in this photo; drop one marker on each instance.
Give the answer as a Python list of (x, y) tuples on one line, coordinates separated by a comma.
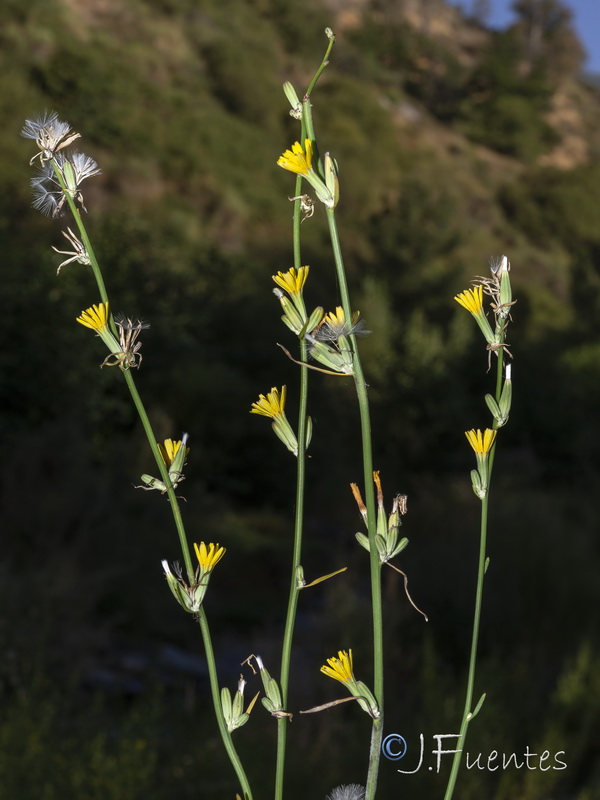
[(454, 144)]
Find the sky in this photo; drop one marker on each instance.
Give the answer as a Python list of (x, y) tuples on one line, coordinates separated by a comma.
[(586, 18)]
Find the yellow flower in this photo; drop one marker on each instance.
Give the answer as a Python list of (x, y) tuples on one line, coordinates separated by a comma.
[(334, 325), (471, 299), (168, 450), (271, 405), (95, 317), (337, 318), (340, 668), (208, 557), (293, 280), (481, 442), (297, 159)]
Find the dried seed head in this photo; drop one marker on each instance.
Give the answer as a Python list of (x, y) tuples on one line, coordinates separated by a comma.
[(351, 791), (50, 135)]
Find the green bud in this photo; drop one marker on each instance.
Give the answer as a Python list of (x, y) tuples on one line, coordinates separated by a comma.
[(494, 408), (152, 483), (479, 487), (293, 100), (273, 693), (238, 700), (367, 700), (291, 317), (309, 430), (283, 431), (233, 713), (272, 702), (399, 548), (381, 545), (331, 178), (393, 527), (226, 704), (313, 321), (197, 593), (321, 189), (506, 396), (176, 468), (178, 589), (268, 704), (386, 537), (394, 520), (381, 524), (363, 541), (505, 288), (242, 720), (69, 176), (339, 359)]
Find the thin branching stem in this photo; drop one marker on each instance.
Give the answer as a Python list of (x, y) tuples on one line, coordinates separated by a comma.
[(216, 698), (375, 563), (286, 649), (468, 711), (173, 503), (367, 451), (324, 63)]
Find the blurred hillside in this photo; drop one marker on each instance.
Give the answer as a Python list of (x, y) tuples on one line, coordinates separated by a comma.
[(455, 144)]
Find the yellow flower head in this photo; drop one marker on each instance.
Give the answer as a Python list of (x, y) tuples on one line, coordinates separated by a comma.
[(337, 318), (271, 405), (95, 317), (471, 299), (340, 668), (293, 280), (334, 325), (208, 557), (297, 159), (169, 449), (481, 442)]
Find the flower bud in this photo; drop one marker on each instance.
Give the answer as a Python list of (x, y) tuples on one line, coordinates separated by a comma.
[(233, 712), (176, 587), (293, 100), (315, 318), (386, 537), (331, 178), (506, 395), (272, 702), (505, 289)]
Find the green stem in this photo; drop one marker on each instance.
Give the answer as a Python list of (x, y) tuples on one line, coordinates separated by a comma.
[(175, 510), (290, 621), (216, 697), (286, 650), (468, 711), (83, 233), (375, 564), (164, 473), (320, 69), (129, 380), (90, 250), (367, 451)]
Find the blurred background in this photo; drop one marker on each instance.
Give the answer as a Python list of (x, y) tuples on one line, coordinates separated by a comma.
[(456, 142)]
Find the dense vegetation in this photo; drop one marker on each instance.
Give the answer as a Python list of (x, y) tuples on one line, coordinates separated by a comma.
[(455, 143)]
